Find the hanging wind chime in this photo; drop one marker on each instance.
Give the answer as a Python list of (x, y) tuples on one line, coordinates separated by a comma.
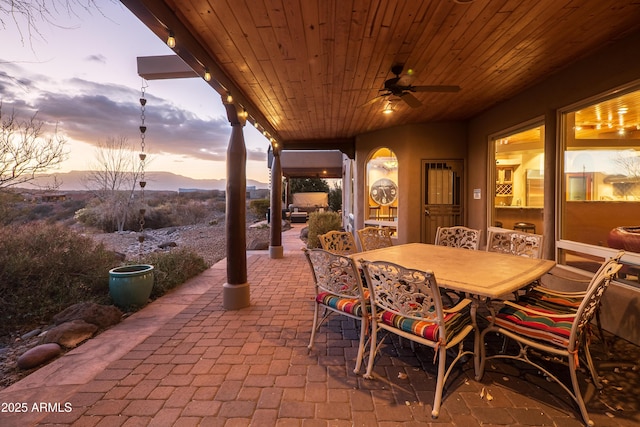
[(141, 180)]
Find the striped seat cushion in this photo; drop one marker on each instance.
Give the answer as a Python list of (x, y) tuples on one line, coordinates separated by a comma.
[(541, 299), (454, 323), (550, 329), (347, 305)]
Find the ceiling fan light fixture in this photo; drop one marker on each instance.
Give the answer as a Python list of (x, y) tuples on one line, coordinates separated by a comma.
[(388, 109)]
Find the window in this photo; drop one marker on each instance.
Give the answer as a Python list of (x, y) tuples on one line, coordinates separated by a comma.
[(600, 197), (601, 169), (518, 192), (382, 188)]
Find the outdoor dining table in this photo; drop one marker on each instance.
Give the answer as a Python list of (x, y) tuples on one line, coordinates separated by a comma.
[(481, 275)]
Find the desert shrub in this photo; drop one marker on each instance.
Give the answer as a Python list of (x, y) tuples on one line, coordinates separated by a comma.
[(259, 207), (45, 268), (67, 209), (202, 195), (219, 206), (101, 215), (335, 198), (173, 268), (8, 209), (320, 223), (40, 212), (190, 212)]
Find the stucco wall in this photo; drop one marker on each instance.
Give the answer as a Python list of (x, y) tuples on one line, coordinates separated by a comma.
[(411, 144), (615, 66), (610, 68)]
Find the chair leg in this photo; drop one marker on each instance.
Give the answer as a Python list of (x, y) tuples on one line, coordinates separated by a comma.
[(361, 344), (577, 395), (373, 349), (605, 344), (437, 400), (592, 368), (314, 327)]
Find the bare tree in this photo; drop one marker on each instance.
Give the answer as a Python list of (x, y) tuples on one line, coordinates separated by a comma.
[(629, 163), (26, 15), (25, 150), (113, 177)]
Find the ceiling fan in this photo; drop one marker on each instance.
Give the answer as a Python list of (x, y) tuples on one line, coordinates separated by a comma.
[(400, 86)]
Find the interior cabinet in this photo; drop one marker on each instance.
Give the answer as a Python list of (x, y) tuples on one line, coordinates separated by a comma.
[(504, 185)]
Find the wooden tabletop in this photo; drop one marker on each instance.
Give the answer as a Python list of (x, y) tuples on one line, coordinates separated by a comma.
[(487, 274)]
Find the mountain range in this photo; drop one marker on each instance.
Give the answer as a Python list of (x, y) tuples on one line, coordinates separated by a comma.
[(160, 181)]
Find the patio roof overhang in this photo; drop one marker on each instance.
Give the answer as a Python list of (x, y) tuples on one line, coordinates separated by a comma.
[(305, 71), (306, 164)]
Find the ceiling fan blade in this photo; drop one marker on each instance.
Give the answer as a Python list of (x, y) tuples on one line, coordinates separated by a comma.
[(440, 88), (372, 100), (411, 100)]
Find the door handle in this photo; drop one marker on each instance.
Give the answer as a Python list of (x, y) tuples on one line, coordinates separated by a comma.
[(426, 212)]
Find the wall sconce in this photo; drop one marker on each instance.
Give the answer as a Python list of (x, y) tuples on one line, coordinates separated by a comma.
[(171, 40), (207, 75), (229, 98)]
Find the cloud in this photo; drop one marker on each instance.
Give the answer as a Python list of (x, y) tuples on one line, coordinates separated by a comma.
[(92, 112), (96, 58)]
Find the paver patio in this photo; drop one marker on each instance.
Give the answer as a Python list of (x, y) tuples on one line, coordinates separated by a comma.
[(183, 360)]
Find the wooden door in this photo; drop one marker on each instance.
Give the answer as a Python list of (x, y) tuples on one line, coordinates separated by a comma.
[(443, 195)]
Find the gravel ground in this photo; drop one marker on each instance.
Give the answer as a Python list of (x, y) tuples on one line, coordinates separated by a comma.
[(208, 240)]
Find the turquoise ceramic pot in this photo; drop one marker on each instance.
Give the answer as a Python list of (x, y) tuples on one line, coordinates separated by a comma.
[(130, 286)]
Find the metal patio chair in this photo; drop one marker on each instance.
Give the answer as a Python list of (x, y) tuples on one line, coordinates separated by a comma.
[(407, 303), (338, 242), (515, 243), (338, 289), (558, 333), (374, 238), (568, 301), (458, 237)]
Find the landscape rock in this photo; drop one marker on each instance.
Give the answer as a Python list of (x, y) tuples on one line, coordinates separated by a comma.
[(165, 245), (70, 334), (31, 334), (258, 245), (38, 355), (100, 315)]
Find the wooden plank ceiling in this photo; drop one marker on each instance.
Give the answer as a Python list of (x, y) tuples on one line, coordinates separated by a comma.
[(309, 67)]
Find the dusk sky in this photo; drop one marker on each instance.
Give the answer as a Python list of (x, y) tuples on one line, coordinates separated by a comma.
[(81, 75)]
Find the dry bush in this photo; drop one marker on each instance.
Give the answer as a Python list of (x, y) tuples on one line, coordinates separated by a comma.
[(173, 268), (320, 223), (45, 268)]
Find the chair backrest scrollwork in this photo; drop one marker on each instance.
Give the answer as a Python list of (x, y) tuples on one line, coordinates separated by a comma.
[(458, 237), (374, 238), (338, 242)]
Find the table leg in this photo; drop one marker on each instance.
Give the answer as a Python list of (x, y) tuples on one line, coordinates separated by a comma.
[(476, 337)]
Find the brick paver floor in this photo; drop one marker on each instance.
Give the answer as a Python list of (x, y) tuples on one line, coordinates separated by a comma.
[(185, 361)]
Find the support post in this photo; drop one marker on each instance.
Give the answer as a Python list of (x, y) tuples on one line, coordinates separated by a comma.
[(236, 292), (275, 237), (548, 219)]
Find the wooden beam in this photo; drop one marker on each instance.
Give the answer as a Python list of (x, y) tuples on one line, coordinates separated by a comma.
[(160, 19), (164, 67)]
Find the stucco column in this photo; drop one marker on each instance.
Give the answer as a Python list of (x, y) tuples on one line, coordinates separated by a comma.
[(275, 245), (236, 292)]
